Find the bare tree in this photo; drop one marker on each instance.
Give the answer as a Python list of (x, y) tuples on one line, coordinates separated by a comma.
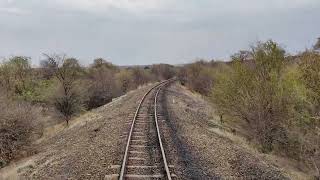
[(49, 66), (67, 71)]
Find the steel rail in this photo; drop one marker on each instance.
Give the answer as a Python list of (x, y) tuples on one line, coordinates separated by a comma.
[(125, 157), (158, 132)]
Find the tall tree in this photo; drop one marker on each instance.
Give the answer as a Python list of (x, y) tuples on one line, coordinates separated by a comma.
[(67, 71)]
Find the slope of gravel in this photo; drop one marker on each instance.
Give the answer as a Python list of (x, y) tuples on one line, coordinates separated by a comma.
[(88, 149), (203, 154)]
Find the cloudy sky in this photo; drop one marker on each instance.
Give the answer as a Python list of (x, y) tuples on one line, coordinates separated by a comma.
[(153, 31)]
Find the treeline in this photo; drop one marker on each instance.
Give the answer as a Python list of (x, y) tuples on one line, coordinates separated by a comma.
[(59, 87), (273, 96)]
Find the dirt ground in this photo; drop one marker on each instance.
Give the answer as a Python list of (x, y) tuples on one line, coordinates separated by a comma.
[(90, 148), (202, 153)]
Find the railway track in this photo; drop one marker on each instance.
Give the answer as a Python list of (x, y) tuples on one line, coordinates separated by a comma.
[(145, 156)]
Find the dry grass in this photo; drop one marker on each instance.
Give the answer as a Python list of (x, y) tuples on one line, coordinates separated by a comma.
[(19, 126), (290, 167), (82, 119), (233, 131)]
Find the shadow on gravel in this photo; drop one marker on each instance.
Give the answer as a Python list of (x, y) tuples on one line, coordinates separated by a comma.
[(190, 166)]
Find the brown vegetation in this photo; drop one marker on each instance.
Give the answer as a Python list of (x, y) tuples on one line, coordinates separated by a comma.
[(62, 88), (18, 127), (163, 71), (102, 86), (275, 99), (67, 71), (199, 76)]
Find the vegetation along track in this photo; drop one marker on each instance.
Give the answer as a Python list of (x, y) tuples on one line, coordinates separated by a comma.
[(144, 156)]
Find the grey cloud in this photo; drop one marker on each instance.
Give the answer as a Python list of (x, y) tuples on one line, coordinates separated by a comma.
[(176, 33)]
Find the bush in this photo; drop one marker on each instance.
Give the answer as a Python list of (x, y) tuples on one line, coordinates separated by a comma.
[(102, 84), (198, 77), (68, 105), (275, 99), (141, 76), (124, 81), (310, 126), (18, 125), (256, 93), (16, 77), (310, 68), (163, 71)]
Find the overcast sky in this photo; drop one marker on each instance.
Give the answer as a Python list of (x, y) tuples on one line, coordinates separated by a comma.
[(153, 31)]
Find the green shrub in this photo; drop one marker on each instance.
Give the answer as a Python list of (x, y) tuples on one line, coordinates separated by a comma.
[(256, 92)]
